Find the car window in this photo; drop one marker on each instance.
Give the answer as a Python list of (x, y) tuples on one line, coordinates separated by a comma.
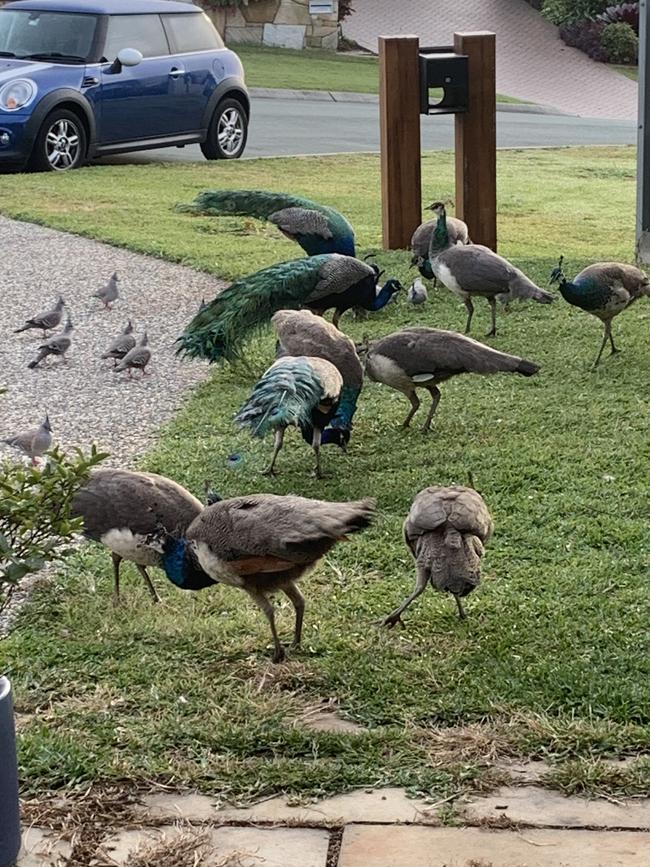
[(191, 33), (142, 32), (24, 32)]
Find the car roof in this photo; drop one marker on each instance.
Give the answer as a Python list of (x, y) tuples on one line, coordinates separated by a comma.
[(106, 7)]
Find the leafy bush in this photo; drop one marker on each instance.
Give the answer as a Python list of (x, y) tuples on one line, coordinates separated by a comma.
[(621, 43), (624, 13), (345, 9), (35, 522), (587, 36), (569, 11)]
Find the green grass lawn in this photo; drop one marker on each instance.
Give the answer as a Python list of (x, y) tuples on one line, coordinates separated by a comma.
[(631, 71), (553, 660), (313, 69)]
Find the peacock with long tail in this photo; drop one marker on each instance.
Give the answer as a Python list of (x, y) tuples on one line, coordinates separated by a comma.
[(301, 332), (604, 290), (261, 543), (472, 269), (302, 391), (319, 283), (317, 228)]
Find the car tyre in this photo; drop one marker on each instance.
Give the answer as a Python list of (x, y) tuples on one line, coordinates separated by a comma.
[(60, 144), (227, 132)]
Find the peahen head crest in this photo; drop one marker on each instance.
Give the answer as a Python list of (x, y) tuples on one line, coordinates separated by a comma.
[(557, 274)]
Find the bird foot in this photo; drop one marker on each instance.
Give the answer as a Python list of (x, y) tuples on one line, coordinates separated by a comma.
[(270, 471), (392, 620), (317, 474), (491, 333), (279, 655), (426, 429), (117, 602)]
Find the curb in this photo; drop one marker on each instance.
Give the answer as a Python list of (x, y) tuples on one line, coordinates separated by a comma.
[(343, 96)]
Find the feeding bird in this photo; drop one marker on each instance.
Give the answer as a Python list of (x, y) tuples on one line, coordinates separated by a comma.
[(417, 293), (472, 269), (135, 359), (302, 391), (260, 543), (419, 357), (458, 234), (446, 530), (316, 282), (123, 343), (122, 508), (317, 228), (57, 345), (604, 290), (108, 293), (301, 332), (45, 320), (33, 443)]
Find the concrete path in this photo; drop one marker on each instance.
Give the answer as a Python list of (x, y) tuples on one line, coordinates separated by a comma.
[(525, 826), (532, 61)]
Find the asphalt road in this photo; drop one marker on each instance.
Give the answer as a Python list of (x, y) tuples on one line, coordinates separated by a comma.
[(285, 127)]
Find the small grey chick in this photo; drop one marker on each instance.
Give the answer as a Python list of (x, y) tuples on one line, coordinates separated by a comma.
[(123, 343), (33, 443), (108, 293), (56, 345), (417, 293), (45, 320), (136, 359), (445, 530)]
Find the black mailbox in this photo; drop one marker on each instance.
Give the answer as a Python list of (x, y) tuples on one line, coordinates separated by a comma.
[(441, 67)]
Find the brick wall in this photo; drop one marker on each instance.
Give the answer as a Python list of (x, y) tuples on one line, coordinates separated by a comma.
[(285, 23)]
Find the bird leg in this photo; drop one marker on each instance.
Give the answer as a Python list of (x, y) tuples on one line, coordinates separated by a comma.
[(611, 340), (415, 406), (435, 400), (421, 580), (298, 602), (279, 439), (266, 605), (148, 582), (335, 318), (607, 336), (493, 306), (461, 610), (470, 312), (116, 574), (315, 444)]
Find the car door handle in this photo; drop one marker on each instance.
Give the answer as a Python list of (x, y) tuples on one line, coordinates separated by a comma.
[(175, 72)]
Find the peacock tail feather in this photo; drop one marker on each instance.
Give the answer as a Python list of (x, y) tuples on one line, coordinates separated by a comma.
[(346, 408), (325, 231), (219, 330), (285, 395)]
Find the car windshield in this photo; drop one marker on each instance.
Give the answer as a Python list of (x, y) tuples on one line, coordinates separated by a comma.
[(61, 37)]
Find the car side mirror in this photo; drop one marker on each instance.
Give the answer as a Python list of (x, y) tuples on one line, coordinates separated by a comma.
[(126, 57)]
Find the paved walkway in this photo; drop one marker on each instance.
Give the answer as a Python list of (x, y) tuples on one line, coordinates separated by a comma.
[(524, 826), (532, 61)]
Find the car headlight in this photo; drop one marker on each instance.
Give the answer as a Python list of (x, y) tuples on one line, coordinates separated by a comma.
[(17, 94)]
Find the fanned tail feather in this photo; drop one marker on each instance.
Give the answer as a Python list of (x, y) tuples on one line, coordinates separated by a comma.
[(218, 331), (285, 395)]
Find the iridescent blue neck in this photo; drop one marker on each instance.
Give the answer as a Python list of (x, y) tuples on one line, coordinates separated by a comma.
[(181, 568), (315, 245), (346, 408), (387, 291)]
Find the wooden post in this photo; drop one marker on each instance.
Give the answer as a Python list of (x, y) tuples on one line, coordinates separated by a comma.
[(476, 141), (399, 115), (643, 149)]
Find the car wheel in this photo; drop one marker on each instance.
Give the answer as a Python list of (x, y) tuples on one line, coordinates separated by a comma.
[(227, 132), (60, 144)]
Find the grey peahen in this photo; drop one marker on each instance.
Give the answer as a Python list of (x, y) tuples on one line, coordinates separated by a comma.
[(317, 282), (446, 530), (419, 357), (121, 509), (317, 228), (458, 234), (604, 290), (476, 270), (301, 332), (56, 345), (260, 543), (302, 391)]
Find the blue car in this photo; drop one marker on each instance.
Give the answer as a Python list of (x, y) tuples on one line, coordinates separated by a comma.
[(81, 79)]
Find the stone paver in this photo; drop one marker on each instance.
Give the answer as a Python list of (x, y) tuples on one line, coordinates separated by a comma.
[(382, 805), (401, 846), (532, 61), (42, 849), (254, 847), (533, 805)]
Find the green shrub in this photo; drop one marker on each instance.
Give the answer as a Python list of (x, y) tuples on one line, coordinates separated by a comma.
[(621, 43), (568, 11), (35, 522)]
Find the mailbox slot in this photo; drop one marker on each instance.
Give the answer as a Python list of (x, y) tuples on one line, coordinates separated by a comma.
[(441, 67)]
